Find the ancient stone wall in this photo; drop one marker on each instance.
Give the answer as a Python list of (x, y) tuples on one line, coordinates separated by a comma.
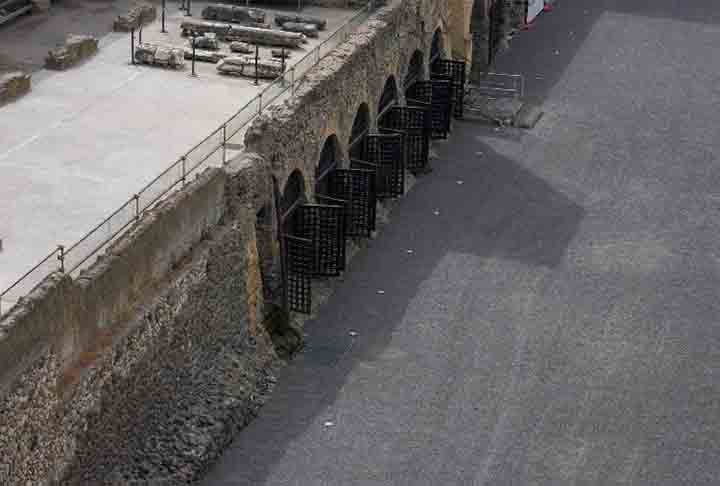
[(167, 322), (292, 135)]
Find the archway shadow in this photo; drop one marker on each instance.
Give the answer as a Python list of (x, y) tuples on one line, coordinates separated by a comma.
[(499, 210)]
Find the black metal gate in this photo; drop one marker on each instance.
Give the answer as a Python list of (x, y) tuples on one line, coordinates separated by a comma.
[(324, 225), (297, 261), (385, 151), (437, 92), (416, 123), (312, 243), (357, 188), (455, 71)]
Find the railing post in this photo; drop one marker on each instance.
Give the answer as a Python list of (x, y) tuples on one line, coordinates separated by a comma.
[(61, 258), (184, 169), (260, 104), (132, 46), (292, 81), (257, 59), (136, 197), (224, 143)]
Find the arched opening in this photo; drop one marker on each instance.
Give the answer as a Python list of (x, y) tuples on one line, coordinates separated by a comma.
[(293, 195), (330, 157), (388, 98), (415, 70), (436, 47), (360, 128)]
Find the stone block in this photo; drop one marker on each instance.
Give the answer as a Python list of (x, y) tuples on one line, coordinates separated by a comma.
[(207, 41), (138, 16), (245, 66), (76, 49), (280, 20), (203, 55), (13, 85), (242, 47), (309, 30), (232, 13), (157, 55)]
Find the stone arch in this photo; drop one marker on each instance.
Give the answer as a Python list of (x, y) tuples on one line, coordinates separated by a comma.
[(360, 128), (293, 194), (415, 70), (389, 95), (330, 157), (437, 45)]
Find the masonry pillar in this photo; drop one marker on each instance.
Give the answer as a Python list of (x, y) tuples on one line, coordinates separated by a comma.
[(41, 6)]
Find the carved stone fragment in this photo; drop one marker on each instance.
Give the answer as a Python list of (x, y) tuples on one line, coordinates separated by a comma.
[(301, 19), (159, 55), (13, 85), (204, 55), (232, 13), (207, 41), (245, 66), (75, 49), (138, 16), (241, 47), (254, 35), (309, 30)]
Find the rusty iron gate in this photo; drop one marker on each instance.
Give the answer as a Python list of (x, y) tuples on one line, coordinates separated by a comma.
[(455, 71), (438, 93)]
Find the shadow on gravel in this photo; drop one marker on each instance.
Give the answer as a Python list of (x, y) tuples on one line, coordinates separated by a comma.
[(485, 205)]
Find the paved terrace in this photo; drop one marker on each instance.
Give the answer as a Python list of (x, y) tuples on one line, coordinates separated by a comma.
[(84, 140)]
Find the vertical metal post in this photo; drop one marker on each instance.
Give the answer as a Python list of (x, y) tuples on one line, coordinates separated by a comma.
[(162, 30), (132, 46), (184, 169), (282, 53), (257, 59), (189, 5), (136, 197), (140, 35), (292, 81), (260, 104), (224, 148), (194, 36), (61, 258)]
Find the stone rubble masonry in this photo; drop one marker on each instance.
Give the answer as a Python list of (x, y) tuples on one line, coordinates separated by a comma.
[(291, 135), (87, 362), (138, 16), (13, 85), (76, 49), (142, 368)]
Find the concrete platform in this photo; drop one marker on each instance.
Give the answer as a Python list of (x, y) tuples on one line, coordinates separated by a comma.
[(86, 139)]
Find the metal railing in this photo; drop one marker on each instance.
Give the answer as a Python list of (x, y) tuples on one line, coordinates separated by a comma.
[(211, 152), (499, 85)]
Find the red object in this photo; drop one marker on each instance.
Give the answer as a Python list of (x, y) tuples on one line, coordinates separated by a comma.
[(548, 8)]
